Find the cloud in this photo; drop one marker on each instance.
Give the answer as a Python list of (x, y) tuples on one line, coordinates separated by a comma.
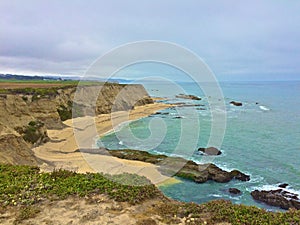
[(235, 38)]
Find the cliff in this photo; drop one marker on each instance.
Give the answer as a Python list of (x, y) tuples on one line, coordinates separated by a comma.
[(27, 113)]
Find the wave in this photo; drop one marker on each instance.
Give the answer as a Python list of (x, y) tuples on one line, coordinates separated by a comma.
[(264, 108), (215, 195), (120, 126)]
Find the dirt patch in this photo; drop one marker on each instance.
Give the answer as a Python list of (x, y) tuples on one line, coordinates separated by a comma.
[(12, 85), (98, 209)]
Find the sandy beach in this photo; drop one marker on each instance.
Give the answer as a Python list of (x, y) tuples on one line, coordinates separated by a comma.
[(62, 150)]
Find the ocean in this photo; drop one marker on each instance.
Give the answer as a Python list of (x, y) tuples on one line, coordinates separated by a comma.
[(262, 137)]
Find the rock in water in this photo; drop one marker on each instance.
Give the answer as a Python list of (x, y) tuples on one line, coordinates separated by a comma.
[(192, 97), (236, 103), (178, 117), (234, 191), (239, 175), (210, 151), (284, 185), (278, 198)]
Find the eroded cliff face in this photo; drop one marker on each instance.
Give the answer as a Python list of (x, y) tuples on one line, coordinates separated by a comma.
[(26, 114), (14, 149)]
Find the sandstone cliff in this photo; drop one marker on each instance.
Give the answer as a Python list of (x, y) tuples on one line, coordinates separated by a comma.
[(26, 113)]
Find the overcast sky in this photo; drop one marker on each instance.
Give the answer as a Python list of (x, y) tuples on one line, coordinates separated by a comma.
[(239, 40)]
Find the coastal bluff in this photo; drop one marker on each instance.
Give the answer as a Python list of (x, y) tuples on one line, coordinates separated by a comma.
[(27, 113)]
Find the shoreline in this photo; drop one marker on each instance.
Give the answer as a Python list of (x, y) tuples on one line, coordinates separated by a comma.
[(61, 152)]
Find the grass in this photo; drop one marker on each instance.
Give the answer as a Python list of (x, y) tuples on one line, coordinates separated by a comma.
[(50, 90), (26, 185)]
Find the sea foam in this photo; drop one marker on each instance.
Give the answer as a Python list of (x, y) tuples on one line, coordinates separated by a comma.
[(264, 108)]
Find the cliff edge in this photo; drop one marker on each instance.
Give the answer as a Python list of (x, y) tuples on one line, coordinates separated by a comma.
[(27, 113)]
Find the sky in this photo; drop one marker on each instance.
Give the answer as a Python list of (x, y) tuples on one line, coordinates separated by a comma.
[(238, 40)]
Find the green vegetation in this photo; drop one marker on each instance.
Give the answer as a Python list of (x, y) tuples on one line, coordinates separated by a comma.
[(32, 132), (35, 92), (137, 155), (66, 112), (25, 98), (224, 211), (26, 212), (42, 88), (26, 185)]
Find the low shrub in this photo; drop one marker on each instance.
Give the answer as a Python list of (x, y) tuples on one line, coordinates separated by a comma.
[(26, 185)]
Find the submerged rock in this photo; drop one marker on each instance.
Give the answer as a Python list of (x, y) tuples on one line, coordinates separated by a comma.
[(178, 117), (278, 198), (188, 105), (234, 191), (236, 103), (161, 113), (210, 151), (192, 97)]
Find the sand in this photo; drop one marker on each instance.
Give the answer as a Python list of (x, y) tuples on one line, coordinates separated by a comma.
[(81, 133)]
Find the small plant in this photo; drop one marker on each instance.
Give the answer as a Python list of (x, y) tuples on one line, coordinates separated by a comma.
[(25, 98), (25, 213), (69, 111), (64, 112), (31, 132)]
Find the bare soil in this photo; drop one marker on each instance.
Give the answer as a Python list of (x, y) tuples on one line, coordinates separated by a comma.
[(12, 85)]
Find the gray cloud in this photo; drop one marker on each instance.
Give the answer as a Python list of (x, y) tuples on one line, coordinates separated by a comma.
[(237, 39)]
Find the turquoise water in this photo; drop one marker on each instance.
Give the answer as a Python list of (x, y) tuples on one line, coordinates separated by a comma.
[(262, 137)]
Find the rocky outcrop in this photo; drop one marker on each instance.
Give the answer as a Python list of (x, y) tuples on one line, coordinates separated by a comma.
[(201, 173), (176, 166), (192, 97), (27, 113), (210, 151), (110, 98), (278, 198), (234, 191), (236, 103)]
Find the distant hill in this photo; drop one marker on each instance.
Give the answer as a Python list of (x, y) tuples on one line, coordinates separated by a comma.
[(26, 77), (51, 77)]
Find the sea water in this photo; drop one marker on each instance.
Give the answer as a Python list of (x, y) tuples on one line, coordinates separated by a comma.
[(262, 137)]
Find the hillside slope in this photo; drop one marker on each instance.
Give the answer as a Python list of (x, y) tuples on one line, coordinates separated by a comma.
[(27, 113)]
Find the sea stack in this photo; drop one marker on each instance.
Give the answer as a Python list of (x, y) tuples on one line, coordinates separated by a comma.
[(210, 151)]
